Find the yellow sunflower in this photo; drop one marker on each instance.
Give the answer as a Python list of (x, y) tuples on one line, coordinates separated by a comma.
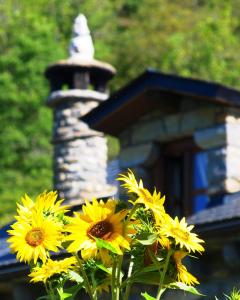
[(151, 201), (164, 242), (52, 267), (181, 233), (182, 274), (46, 203), (24, 210), (98, 220), (33, 239)]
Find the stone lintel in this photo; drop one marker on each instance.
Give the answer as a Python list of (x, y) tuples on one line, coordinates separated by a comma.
[(142, 154), (172, 127), (60, 96), (220, 135), (211, 137)]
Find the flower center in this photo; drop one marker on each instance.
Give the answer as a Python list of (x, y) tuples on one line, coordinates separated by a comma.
[(180, 234), (34, 237), (100, 229)]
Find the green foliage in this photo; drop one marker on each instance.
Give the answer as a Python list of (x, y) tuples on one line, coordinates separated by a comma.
[(186, 288), (190, 38), (25, 150), (234, 295), (113, 147), (101, 244), (147, 296)]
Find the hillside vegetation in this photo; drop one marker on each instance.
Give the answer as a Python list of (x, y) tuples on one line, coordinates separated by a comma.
[(198, 38)]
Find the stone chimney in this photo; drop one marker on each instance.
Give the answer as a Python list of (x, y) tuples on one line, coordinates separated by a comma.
[(78, 84)]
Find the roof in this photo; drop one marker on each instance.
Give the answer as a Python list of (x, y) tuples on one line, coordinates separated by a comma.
[(150, 90), (6, 256), (219, 219), (217, 213)]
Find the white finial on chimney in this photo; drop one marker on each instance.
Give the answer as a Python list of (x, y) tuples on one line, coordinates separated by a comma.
[(81, 46)]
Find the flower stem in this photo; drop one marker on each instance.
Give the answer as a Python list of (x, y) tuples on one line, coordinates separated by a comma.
[(118, 276), (129, 284), (114, 269), (49, 291), (52, 296), (161, 289), (85, 278)]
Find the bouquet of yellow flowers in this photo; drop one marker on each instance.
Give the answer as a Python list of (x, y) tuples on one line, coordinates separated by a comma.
[(108, 246)]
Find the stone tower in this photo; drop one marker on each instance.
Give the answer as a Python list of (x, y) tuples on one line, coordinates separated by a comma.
[(78, 84)]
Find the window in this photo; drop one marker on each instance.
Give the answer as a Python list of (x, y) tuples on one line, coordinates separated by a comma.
[(200, 182), (181, 174)]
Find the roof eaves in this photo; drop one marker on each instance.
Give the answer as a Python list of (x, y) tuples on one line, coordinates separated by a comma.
[(117, 100), (152, 79), (222, 227)]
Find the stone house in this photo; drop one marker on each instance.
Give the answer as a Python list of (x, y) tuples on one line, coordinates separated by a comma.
[(180, 135)]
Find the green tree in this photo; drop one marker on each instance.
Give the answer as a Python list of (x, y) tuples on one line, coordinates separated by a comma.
[(27, 46), (190, 38), (33, 35), (197, 38)]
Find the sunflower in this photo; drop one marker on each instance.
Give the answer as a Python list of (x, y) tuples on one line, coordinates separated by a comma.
[(181, 233), (33, 239), (130, 182), (52, 267), (182, 274), (164, 242), (46, 203), (24, 210), (98, 220), (151, 201)]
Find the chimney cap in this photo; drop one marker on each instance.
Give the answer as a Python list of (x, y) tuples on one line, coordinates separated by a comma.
[(81, 56), (81, 45)]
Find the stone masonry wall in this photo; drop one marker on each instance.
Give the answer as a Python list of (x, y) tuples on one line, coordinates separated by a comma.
[(80, 154), (216, 130)]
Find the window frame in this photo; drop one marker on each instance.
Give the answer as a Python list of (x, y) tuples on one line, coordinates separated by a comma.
[(184, 148)]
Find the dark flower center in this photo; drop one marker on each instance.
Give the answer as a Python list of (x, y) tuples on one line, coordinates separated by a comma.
[(34, 237), (100, 229)]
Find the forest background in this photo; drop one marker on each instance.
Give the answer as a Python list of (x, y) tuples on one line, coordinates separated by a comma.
[(197, 38)]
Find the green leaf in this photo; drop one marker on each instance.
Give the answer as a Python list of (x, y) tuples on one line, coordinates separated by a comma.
[(184, 287), (46, 297), (147, 296), (156, 260), (72, 291), (152, 278), (64, 296), (75, 276), (147, 238), (103, 268), (103, 244), (150, 268)]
